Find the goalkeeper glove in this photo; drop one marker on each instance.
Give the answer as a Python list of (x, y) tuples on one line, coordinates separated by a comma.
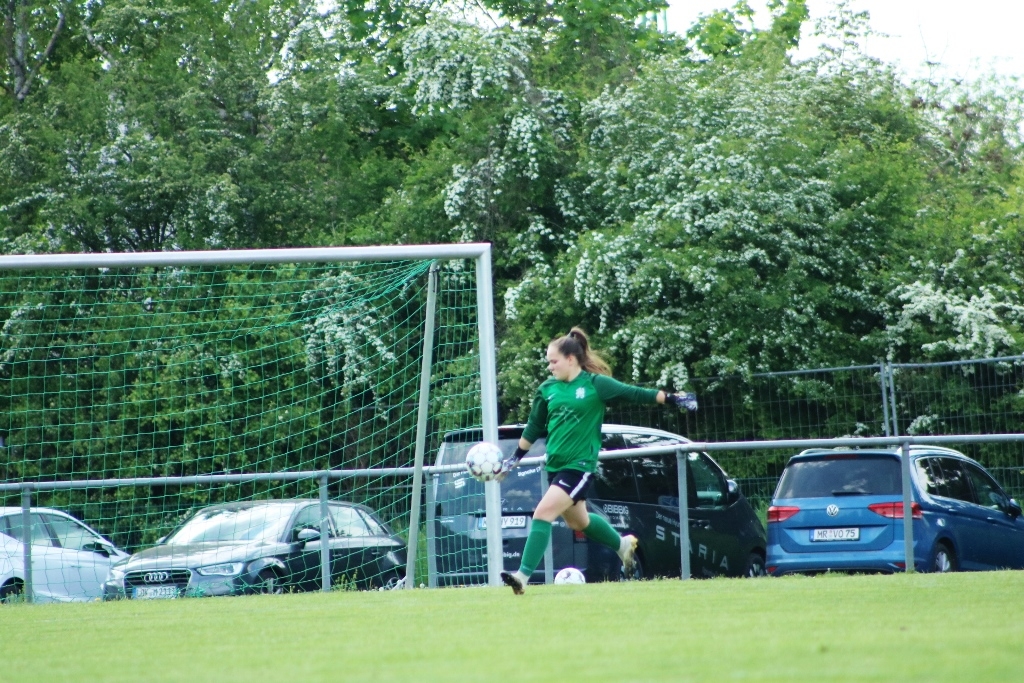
[(684, 400), (510, 463)]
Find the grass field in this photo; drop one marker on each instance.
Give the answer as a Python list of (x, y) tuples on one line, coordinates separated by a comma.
[(954, 627)]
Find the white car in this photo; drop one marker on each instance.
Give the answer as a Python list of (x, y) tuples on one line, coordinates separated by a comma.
[(70, 561)]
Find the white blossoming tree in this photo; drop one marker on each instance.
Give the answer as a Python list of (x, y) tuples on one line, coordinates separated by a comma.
[(734, 222)]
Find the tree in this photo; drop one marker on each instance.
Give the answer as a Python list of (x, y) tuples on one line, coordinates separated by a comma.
[(31, 30), (740, 219)]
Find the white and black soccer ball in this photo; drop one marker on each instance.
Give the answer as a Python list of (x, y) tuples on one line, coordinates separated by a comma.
[(484, 461), (569, 575)]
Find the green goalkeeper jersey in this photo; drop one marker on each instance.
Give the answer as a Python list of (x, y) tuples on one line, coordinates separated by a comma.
[(570, 415)]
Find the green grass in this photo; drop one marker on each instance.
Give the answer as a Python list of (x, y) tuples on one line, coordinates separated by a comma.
[(957, 627)]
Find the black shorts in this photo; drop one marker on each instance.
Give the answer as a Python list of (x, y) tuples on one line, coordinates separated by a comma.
[(573, 482)]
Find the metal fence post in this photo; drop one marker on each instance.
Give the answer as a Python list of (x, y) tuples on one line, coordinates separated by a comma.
[(885, 397), (908, 514), (26, 538), (684, 517), (325, 536), (892, 401), (549, 554), (421, 430), (431, 532)]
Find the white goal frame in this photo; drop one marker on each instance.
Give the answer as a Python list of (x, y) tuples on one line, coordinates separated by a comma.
[(479, 252)]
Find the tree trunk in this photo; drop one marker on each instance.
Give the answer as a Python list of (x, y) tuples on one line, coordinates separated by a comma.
[(18, 45)]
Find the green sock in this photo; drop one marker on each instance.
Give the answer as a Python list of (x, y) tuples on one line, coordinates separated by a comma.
[(536, 544), (601, 531)]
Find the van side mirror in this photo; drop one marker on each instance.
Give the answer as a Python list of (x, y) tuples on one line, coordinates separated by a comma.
[(734, 492), (1014, 509)]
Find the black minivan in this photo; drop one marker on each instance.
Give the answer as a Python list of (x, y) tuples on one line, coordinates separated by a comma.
[(637, 495)]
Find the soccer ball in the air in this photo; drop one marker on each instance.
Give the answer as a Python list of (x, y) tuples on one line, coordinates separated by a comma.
[(570, 575), (484, 461)]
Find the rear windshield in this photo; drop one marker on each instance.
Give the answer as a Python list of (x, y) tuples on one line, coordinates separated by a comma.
[(841, 476), (459, 493)]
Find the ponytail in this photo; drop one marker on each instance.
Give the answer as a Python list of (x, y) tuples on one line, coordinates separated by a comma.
[(577, 344)]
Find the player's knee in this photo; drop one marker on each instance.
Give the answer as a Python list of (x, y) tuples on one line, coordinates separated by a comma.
[(577, 524), (545, 513)]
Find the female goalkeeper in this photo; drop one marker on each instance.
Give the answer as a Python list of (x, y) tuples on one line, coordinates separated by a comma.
[(569, 408)]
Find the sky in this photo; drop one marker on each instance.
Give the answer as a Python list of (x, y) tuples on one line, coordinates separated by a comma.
[(968, 39)]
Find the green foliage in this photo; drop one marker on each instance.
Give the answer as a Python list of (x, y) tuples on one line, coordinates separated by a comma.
[(702, 203), (724, 31), (727, 241)]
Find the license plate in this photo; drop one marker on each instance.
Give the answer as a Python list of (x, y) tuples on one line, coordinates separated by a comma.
[(835, 534), (154, 592), (507, 522)]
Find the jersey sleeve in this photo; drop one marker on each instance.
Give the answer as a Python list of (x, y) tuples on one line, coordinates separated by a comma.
[(537, 425), (613, 390)]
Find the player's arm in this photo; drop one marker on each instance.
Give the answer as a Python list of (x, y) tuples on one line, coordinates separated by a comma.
[(610, 389), (536, 426)]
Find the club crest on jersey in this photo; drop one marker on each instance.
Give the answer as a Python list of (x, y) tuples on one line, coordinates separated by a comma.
[(581, 393)]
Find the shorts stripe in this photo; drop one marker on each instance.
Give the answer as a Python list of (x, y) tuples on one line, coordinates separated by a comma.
[(580, 486)]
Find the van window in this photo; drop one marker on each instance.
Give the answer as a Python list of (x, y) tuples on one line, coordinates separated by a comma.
[(929, 473), (614, 478), (708, 481), (838, 475), (634, 440), (612, 441), (951, 480), (987, 490), (656, 479), (614, 481)]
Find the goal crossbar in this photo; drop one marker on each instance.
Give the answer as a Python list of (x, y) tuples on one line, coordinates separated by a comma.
[(244, 256)]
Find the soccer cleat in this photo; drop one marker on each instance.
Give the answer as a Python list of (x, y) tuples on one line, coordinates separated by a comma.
[(513, 582), (627, 553)]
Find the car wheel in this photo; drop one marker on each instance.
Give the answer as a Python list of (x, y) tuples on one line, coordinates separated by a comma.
[(268, 583), (943, 559), (755, 566), (394, 582), (11, 590)]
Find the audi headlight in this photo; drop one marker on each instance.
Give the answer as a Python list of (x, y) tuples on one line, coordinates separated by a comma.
[(226, 569), (116, 574)]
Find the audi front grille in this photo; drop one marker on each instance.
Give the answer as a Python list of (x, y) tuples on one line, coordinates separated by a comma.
[(157, 577)]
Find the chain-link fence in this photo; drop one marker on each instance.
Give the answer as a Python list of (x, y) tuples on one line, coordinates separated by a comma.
[(980, 396), (975, 397)]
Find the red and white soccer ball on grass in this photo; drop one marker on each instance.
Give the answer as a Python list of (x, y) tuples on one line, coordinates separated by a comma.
[(484, 461)]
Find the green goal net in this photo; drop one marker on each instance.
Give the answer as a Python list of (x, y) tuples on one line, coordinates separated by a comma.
[(187, 370)]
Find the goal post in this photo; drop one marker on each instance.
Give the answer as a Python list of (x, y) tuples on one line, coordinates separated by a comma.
[(173, 365)]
